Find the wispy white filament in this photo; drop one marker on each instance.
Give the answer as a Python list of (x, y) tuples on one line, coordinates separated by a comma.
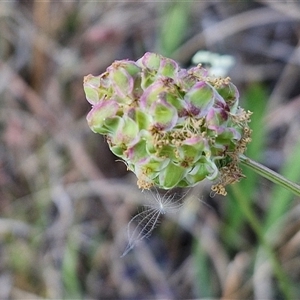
[(142, 224)]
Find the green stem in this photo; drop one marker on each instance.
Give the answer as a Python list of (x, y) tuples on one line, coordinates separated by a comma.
[(247, 210), (270, 174)]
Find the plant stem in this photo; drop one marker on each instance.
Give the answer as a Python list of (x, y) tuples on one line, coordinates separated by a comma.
[(270, 174)]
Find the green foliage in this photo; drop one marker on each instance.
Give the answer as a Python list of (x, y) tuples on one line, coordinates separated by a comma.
[(240, 209), (174, 26), (255, 99), (203, 281), (69, 271), (281, 199)]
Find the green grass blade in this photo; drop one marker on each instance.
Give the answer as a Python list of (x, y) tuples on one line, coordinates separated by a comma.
[(175, 24), (255, 100), (281, 199), (203, 282), (286, 286), (69, 272)]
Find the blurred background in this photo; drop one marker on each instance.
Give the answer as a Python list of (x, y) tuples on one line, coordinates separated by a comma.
[(65, 200)]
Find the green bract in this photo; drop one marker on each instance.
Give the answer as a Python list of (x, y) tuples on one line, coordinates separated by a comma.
[(173, 127)]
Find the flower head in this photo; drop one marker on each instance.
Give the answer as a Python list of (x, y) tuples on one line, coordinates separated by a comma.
[(173, 127)]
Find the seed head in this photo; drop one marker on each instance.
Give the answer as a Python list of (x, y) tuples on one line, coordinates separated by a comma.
[(173, 127)]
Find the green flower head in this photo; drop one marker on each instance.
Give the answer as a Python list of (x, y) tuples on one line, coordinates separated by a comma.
[(173, 127)]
